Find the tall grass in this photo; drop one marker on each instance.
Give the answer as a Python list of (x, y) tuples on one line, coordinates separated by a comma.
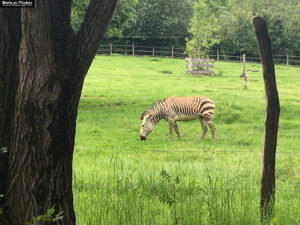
[(117, 177)]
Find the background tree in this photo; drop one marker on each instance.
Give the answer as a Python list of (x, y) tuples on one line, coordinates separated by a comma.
[(236, 30), (165, 23), (234, 19), (123, 15), (43, 66), (204, 28), (78, 12), (292, 31), (152, 22)]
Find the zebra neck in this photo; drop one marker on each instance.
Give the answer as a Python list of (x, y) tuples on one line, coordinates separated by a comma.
[(157, 111), (158, 115)]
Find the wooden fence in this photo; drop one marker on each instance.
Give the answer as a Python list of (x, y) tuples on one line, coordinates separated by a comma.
[(142, 50), (199, 66), (173, 52)]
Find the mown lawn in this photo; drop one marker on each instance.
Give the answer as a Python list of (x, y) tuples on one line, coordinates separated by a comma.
[(117, 177)]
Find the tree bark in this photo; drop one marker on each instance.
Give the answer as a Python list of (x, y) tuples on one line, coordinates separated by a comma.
[(52, 64), (10, 34), (271, 121)]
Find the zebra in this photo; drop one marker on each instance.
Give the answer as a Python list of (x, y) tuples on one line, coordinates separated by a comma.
[(173, 109)]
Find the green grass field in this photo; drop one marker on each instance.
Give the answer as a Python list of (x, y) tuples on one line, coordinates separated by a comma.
[(117, 177)]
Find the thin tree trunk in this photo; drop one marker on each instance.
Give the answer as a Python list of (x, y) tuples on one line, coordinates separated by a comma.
[(271, 121), (52, 65)]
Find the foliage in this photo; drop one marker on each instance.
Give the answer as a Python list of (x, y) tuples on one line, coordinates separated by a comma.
[(123, 14), (236, 30), (161, 18), (157, 23), (204, 28), (3, 150), (47, 217), (292, 31), (78, 12), (169, 197), (206, 25)]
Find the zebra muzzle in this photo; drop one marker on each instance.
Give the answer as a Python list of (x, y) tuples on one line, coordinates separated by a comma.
[(143, 138)]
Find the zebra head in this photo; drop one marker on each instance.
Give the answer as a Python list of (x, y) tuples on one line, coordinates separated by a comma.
[(146, 127)]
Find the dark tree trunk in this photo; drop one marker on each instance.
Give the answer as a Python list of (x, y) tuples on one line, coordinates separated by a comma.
[(10, 27), (52, 65), (271, 121)]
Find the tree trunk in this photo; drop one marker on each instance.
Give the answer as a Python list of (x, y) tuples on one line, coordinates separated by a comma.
[(267, 198), (10, 34), (52, 65)]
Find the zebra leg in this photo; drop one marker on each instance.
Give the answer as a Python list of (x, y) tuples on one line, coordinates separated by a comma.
[(177, 130), (171, 126), (212, 128), (204, 127)]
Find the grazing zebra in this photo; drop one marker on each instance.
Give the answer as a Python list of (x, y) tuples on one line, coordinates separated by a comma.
[(175, 109)]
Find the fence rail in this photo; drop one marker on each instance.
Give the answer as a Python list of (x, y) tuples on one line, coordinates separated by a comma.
[(173, 52)]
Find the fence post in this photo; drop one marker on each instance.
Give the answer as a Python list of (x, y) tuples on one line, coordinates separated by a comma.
[(172, 51), (153, 51), (133, 49), (244, 63), (218, 57), (287, 59), (244, 74), (110, 48), (267, 193)]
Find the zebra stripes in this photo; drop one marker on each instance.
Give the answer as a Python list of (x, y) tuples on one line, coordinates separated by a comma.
[(175, 109)]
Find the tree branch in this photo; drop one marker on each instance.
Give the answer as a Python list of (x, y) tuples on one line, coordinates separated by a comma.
[(92, 29)]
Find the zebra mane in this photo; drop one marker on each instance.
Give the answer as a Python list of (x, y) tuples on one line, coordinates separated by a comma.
[(151, 107)]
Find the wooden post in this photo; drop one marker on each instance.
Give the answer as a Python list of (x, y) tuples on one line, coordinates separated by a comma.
[(218, 57), (133, 49), (287, 59), (267, 197), (172, 52), (244, 63), (153, 51), (244, 75), (110, 48)]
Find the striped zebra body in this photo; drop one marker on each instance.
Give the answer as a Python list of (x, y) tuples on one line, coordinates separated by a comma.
[(175, 109)]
